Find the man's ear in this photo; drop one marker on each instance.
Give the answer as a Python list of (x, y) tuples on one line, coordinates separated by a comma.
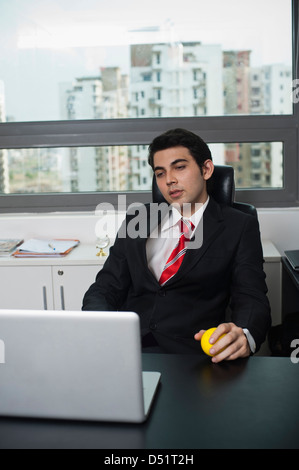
[(207, 169)]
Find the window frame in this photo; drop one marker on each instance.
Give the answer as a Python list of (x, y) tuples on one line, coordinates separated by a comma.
[(141, 131)]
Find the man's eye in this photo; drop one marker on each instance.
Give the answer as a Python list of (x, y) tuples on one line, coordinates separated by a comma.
[(158, 175)]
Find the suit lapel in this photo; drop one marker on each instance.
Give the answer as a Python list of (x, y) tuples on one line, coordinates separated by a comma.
[(151, 220)]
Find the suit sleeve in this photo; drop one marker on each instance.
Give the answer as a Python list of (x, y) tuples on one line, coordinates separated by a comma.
[(109, 291), (249, 303)]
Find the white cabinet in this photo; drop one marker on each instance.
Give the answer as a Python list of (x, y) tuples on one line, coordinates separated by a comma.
[(70, 284), (26, 287), (48, 284), (45, 287)]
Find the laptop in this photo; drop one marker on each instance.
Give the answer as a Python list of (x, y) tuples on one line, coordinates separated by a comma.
[(293, 258), (74, 365)]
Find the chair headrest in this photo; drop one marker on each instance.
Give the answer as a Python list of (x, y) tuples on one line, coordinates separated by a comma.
[(221, 185)]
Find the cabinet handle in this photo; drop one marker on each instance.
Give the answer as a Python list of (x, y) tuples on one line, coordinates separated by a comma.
[(45, 298), (62, 298), (60, 272)]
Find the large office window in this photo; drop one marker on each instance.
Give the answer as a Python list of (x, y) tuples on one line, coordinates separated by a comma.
[(84, 87), (99, 60), (125, 168)]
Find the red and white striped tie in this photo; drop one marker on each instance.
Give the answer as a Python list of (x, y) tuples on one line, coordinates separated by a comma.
[(177, 255)]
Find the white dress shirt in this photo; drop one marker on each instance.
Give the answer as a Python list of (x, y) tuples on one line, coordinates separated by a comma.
[(164, 238)]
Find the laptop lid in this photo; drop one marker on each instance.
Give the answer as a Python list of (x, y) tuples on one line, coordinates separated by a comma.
[(73, 365)]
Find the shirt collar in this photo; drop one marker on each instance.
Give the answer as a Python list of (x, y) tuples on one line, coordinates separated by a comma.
[(174, 216)]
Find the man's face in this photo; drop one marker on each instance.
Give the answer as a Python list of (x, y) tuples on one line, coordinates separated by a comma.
[(179, 177)]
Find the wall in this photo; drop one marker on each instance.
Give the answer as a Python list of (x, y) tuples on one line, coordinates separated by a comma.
[(281, 226)]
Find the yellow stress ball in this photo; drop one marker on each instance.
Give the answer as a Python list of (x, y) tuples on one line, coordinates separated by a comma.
[(205, 344)]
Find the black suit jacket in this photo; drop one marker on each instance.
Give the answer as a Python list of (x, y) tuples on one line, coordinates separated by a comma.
[(227, 270)]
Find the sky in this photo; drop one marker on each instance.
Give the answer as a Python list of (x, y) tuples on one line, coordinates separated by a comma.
[(44, 42)]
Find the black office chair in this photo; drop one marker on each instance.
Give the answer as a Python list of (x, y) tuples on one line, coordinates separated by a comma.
[(221, 186)]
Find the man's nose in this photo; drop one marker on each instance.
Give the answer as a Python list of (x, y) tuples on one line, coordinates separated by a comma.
[(170, 178)]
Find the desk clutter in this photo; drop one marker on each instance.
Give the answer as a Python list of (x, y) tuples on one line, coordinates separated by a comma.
[(37, 248), (8, 246)]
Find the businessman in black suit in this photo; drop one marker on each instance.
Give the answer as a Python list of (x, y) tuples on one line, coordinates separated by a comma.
[(221, 262)]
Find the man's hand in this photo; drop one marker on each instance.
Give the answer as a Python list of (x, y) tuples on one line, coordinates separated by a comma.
[(234, 342)]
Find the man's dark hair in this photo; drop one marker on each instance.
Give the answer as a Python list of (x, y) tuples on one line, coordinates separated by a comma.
[(180, 137)]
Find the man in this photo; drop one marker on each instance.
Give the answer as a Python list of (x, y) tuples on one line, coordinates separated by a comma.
[(179, 296)]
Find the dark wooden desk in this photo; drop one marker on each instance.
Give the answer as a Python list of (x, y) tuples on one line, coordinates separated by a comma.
[(251, 403)]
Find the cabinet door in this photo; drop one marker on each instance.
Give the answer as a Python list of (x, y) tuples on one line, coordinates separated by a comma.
[(26, 287), (70, 284)]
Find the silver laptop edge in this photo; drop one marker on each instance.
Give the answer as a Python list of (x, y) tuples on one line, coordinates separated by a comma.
[(74, 365)]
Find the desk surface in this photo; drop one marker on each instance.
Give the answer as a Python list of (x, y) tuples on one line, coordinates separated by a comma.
[(250, 403), (87, 254)]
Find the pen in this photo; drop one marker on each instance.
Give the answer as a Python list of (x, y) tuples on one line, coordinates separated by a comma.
[(51, 246)]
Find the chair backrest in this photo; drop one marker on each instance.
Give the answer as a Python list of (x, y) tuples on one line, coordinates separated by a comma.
[(221, 186)]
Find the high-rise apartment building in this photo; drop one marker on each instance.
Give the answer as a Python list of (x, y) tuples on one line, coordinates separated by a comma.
[(271, 93), (270, 89), (259, 90), (172, 80), (236, 76), (102, 97)]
